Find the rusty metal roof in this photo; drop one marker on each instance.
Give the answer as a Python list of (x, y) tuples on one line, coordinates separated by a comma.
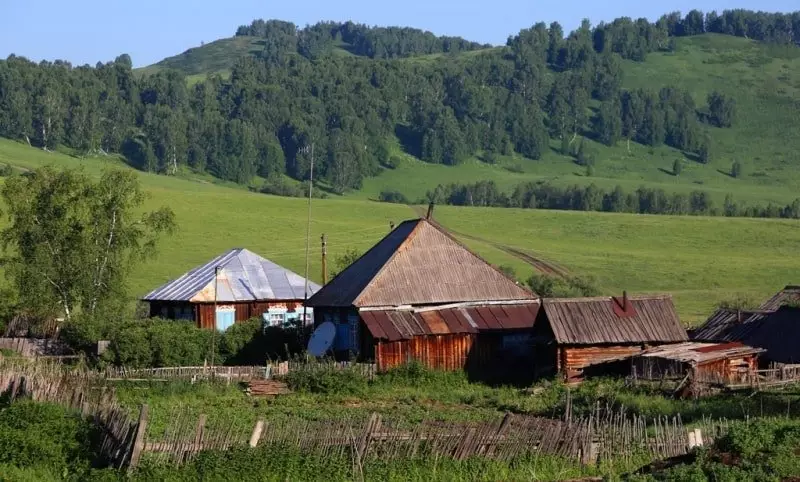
[(697, 353), (591, 321), (394, 325), (244, 276), (776, 331), (789, 294), (418, 263)]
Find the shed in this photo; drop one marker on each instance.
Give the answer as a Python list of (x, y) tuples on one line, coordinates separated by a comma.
[(777, 332), (245, 286), (709, 363), (572, 334), (419, 294)]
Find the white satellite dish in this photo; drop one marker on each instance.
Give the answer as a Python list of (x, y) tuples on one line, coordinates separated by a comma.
[(322, 339)]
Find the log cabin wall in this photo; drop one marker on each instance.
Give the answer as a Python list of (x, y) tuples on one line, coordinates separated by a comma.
[(440, 352)]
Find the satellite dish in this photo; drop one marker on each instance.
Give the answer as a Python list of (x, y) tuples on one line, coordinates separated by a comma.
[(322, 339)]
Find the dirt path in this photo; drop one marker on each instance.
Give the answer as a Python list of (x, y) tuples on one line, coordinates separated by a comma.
[(537, 263)]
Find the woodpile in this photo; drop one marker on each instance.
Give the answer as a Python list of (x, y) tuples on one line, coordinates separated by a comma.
[(266, 388)]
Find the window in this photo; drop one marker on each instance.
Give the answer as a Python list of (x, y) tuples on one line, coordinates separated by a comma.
[(277, 319), (225, 317)]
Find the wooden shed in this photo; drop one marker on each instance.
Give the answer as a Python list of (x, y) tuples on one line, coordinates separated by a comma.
[(776, 331), (231, 288), (419, 294), (694, 362), (572, 334)]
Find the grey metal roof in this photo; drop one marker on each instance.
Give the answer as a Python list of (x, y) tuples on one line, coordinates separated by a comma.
[(244, 276)]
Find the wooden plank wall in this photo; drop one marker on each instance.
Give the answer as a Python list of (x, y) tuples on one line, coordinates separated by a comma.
[(204, 312), (441, 352), (576, 358)]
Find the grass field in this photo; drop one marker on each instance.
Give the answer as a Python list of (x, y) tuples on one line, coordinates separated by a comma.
[(700, 260)]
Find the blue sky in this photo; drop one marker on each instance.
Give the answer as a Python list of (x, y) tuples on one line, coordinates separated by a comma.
[(87, 31)]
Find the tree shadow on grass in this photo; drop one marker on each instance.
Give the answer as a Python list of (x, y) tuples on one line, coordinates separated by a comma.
[(725, 173), (667, 171)]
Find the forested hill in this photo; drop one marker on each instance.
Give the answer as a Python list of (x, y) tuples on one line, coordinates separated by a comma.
[(366, 98)]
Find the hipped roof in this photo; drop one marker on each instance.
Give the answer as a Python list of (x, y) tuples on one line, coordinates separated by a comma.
[(418, 263), (594, 321), (244, 276), (394, 325)]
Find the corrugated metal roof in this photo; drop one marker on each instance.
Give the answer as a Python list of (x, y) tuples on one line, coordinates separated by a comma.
[(789, 294), (418, 263), (245, 276), (591, 321), (698, 353), (776, 331), (394, 325)]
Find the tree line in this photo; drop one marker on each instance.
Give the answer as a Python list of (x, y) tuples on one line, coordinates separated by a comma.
[(296, 95), (544, 195)]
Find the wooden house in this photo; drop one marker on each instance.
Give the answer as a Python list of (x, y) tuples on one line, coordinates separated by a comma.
[(572, 334), (419, 294), (721, 364), (231, 288)]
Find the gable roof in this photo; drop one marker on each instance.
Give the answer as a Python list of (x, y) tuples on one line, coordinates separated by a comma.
[(789, 294), (245, 276), (394, 325), (418, 263), (599, 320), (775, 331)]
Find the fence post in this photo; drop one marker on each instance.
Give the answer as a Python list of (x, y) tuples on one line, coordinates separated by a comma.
[(198, 434), (139, 440), (256, 435)]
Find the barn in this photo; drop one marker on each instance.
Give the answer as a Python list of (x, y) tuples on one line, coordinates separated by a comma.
[(572, 334), (419, 294), (231, 288)]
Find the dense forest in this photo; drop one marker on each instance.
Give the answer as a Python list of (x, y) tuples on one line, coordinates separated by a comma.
[(297, 94)]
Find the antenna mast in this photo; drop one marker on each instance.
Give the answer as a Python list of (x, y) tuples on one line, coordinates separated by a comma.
[(308, 235)]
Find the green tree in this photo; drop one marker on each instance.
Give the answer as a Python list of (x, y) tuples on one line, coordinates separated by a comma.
[(71, 241), (677, 167), (736, 169), (721, 109)]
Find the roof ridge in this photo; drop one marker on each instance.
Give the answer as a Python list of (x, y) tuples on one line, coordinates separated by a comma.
[(664, 296)]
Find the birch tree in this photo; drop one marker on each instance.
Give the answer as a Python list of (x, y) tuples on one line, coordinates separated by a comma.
[(71, 241)]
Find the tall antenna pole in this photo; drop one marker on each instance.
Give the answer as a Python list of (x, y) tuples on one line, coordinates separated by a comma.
[(324, 259), (308, 234)]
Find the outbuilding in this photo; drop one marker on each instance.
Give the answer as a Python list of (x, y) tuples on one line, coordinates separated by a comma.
[(231, 288), (572, 334)]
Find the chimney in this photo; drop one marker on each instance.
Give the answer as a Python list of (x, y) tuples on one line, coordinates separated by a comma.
[(391, 225), (430, 211), (625, 305), (738, 316)]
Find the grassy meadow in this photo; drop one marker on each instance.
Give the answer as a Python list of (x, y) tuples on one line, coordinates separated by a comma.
[(700, 260)]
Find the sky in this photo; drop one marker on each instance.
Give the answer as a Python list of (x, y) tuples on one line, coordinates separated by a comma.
[(88, 31)]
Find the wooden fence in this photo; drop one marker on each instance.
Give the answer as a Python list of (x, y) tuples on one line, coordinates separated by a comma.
[(234, 373), (587, 440), (47, 383), (603, 435)]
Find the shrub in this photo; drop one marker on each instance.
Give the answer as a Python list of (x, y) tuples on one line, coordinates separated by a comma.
[(6, 170), (393, 197), (324, 378), (550, 286), (736, 169)]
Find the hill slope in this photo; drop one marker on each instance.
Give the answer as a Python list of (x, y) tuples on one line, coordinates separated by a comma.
[(764, 80), (700, 260)]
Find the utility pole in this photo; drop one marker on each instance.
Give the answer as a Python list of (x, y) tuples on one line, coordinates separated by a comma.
[(324, 260), (308, 234), (214, 328)]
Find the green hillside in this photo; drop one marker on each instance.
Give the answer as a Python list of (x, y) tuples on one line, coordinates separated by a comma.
[(700, 260), (764, 79)]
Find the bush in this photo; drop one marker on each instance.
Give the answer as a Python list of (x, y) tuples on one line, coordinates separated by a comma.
[(324, 378), (6, 170), (393, 197), (46, 437), (550, 286)]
